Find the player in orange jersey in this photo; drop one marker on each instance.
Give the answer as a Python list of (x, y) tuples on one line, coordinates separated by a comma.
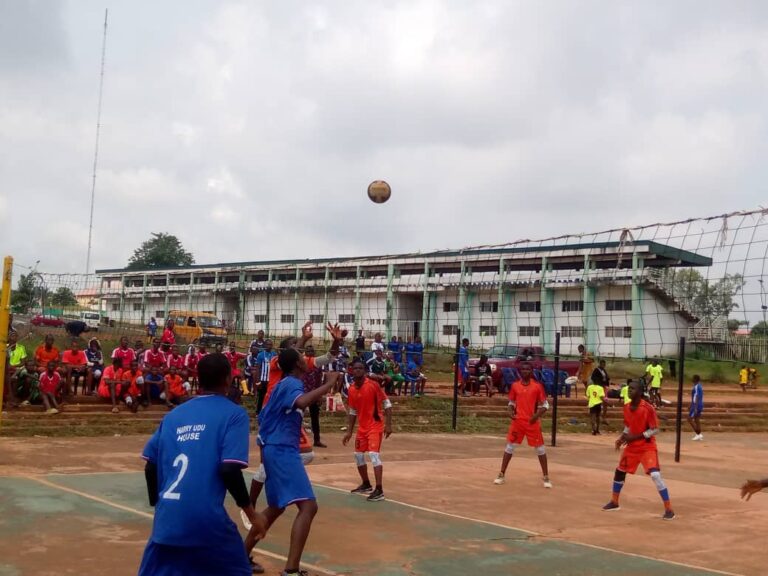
[(638, 439), (366, 400), (527, 404)]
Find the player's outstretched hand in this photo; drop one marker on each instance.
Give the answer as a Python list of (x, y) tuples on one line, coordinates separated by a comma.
[(750, 487), (335, 331), (347, 438)]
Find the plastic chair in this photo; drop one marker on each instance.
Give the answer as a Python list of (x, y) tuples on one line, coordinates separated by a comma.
[(508, 376), (563, 386), (548, 379)]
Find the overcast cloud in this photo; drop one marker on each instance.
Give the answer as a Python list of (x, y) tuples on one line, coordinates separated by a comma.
[(251, 130)]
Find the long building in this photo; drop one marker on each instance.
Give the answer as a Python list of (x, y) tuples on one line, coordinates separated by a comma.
[(610, 296)]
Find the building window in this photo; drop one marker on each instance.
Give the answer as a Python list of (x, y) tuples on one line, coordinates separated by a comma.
[(573, 305), (618, 332), (260, 318), (487, 330), (528, 331), (572, 331), (489, 306), (137, 306), (160, 314), (618, 305), (346, 318), (286, 318), (530, 306), (450, 329), (115, 307), (317, 318), (450, 306)]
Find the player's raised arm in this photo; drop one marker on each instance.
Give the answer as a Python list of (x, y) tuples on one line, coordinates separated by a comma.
[(751, 487)]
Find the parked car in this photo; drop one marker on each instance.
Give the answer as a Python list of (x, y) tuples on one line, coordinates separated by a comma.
[(511, 356), (91, 319), (47, 320), (198, 327)]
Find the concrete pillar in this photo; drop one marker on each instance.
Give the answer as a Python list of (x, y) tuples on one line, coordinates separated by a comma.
[(390, 300), (358, 315), (425, 307), (268, 323), (501, 327), (167, 288), (637, 342), (216, 293), (296, 301), (240, 320), (589, 313), (191, 284), (547, 317), (143, 299), (462, 300), (325, 294), (122, 297)]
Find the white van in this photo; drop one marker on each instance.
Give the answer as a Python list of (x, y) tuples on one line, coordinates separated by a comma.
[(91, 320)]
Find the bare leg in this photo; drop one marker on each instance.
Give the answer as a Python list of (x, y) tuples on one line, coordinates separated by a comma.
[(299, 533), (378, 474), (271, 515), (505, 462), (256, 488), (544, 467), (363, 471)]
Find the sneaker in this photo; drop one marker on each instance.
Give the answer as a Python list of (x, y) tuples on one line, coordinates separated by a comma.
[(611, 506), (246, 523), (25, 403), (499, 479), (376, 495), (547, 483), (319, 444), (668, 515), (701, 436), (363, 489), (255, 566)]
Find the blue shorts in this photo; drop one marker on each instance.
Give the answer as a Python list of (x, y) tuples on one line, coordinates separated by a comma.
[(226, 558), (694, 412), (287, 481)]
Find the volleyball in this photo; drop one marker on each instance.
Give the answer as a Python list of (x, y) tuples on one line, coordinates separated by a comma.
[(379, 191)]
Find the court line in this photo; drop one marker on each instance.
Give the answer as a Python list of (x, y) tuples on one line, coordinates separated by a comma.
[(144, 514), (530, 533)]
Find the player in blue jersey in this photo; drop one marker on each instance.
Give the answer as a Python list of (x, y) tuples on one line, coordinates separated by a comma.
[(463, 365), (196, 456), (287, 482), (696, 408)]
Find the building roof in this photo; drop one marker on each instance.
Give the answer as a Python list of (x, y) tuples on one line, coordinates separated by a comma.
[(612, 254)]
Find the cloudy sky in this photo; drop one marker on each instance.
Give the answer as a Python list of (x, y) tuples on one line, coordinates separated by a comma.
[(251, 130)]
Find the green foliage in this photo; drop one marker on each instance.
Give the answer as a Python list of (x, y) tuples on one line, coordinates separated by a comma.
[(707, 299), (760, 330), (716, 374), (160, 251), (63, 297), (29, 293)]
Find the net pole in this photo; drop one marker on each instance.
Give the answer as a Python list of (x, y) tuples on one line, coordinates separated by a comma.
[(5, 316), (680, 382), (557, 389), (455, 411)]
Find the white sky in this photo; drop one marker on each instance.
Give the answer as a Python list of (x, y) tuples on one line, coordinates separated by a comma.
[(251, 130)]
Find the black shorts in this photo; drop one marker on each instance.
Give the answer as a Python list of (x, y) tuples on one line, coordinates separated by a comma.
[(596, 409)]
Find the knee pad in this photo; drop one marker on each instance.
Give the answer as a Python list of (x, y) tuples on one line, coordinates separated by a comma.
[(307, 457), (187, 386), (162, 395), (657, 479), (97, 374), (359, 458), (619, 476), (140, 381), (375, 458), (509, 449), (260, 475), (540, 450)]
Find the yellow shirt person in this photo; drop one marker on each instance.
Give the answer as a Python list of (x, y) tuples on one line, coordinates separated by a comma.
[(656, 372), (595, 395)]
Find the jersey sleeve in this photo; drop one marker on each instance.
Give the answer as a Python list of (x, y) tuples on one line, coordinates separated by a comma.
[(150, 453), (235, 444), (310, 362)]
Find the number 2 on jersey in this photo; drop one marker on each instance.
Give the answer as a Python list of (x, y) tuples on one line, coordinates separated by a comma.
[(183, 461)]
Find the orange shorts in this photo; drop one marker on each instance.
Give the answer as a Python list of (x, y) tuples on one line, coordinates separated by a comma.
[(369, 440), (520, 429), (631, 459)]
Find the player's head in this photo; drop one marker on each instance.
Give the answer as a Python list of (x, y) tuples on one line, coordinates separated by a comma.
[(134, 366), (483, 358), (172, 370), (358, 369), (291, 361), (526, 370), (260, 334), (254, 349), (51, 366), (601, 363), (30, 364), (635, 390), (155, 343), (13, 337), (655, 361), (123, 342), (138, 345), (465, 342), (268, 345), (290, 342), (174, 350), (581, 348), (75, 344), (309, 350), (94, 344), (214, 373), (48, 340), (117, 362), (696, 379)]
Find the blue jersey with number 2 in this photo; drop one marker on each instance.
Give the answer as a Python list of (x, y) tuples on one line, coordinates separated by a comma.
[(188, 448)]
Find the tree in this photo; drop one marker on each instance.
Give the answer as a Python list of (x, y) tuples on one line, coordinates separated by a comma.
[(706, 299), (734, 324), (160, 251), (63, 297), (760, 330), (29, 292)]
